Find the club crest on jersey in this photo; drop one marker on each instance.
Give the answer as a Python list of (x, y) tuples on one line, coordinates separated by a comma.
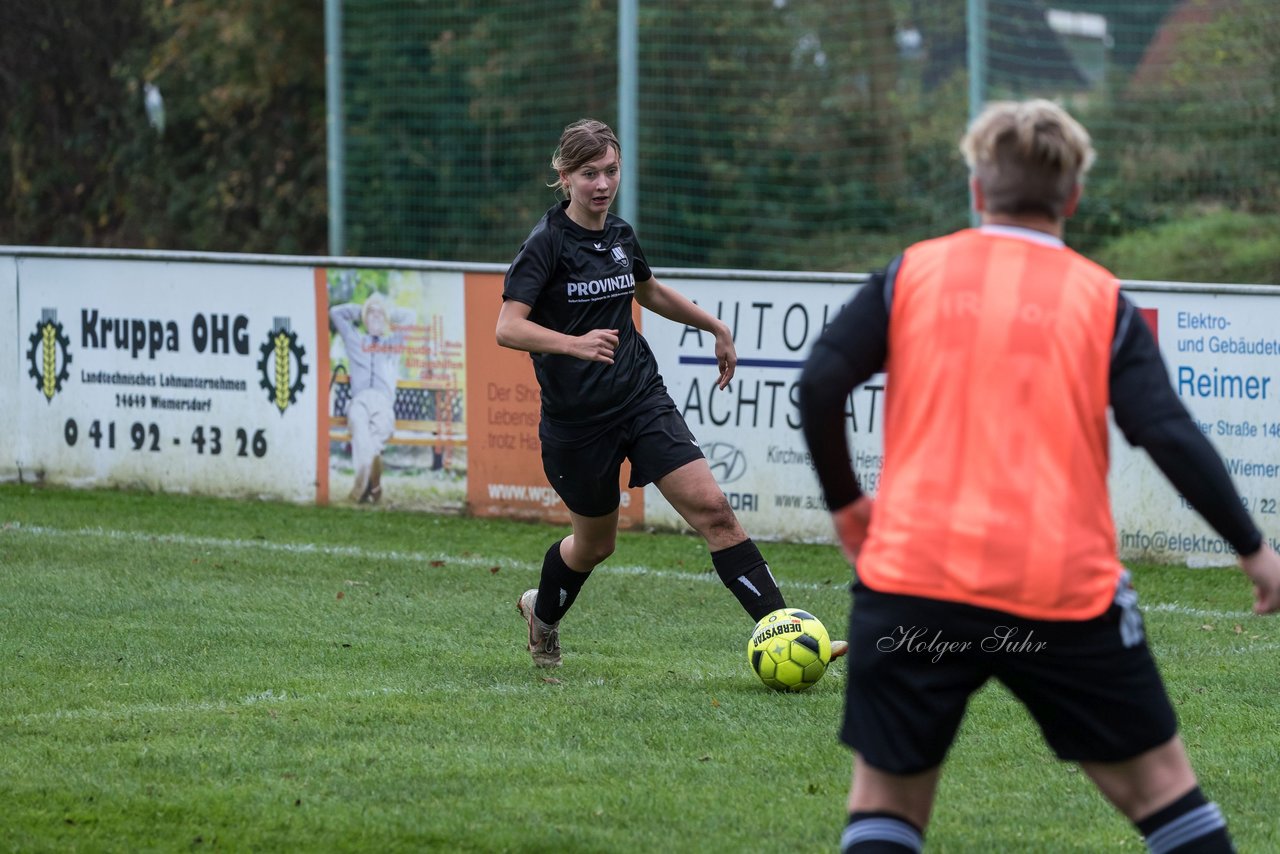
[(620, 256)]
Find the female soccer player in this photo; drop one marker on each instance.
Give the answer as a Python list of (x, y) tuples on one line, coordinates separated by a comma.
[(567, 301)]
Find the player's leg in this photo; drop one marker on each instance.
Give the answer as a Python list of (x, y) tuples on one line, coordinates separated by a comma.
[(586, 479), (568, 562), (565, 569), (693, 492), (1157, 791), (913, 665), (664, 452), (695, 495), (887, 812), (1140, 786), (1096, 693), (585, 476)]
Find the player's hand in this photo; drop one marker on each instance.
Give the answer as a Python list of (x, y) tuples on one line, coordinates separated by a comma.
[(851, 523), (598, 345), (1263, 569), (726, 359)]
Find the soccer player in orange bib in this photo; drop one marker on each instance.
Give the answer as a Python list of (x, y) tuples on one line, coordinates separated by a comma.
[(990, 549)]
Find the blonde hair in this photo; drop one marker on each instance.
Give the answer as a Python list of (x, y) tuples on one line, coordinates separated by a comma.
[(1027, 156), (583, 141)]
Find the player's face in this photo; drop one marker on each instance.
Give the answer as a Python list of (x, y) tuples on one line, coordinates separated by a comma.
[(592, 187)]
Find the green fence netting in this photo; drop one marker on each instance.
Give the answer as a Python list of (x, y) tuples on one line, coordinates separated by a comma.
[(791, 134)]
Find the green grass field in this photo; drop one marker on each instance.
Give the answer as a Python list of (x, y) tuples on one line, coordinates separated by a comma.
[(188, 674)]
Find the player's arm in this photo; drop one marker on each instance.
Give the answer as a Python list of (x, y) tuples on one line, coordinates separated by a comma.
[(851, 350), (1152, 417), (529, 274), (516, 331), (675, 306)]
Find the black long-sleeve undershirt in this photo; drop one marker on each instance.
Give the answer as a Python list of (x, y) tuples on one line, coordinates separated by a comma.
[(1148, 412)]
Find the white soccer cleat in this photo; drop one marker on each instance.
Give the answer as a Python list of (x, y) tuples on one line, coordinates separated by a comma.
[(838, 649), (544, 638)]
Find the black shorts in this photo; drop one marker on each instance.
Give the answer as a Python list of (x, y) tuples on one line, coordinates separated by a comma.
[(1091, 686), (582, 464)]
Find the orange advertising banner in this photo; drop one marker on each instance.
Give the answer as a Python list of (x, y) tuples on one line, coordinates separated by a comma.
[(504, 471)]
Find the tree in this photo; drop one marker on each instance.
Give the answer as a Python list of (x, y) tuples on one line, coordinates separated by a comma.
[(241, 166), (65, 101), (240, 163)]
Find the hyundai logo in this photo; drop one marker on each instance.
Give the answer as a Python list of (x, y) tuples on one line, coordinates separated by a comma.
[(727, 462)]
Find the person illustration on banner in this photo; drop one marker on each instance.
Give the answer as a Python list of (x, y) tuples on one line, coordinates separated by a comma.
[(373, 365)]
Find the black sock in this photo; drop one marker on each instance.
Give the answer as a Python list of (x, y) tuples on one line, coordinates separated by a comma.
[(744, 572), (1189, 825), (880, 833), (558, 586)]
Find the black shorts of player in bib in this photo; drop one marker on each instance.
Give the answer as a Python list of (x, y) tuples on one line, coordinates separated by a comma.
[(582, 463), (1091, 685)]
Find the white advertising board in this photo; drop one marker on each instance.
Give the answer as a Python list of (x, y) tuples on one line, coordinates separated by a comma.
[(9, 380), (1222, 351), (210, 375), (750, 431), (1223, 355), (173, 376)]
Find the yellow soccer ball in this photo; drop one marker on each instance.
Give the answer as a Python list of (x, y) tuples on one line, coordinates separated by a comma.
[(789, 650)]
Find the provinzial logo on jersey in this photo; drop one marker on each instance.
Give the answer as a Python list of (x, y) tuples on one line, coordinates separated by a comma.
[(48, 355), (600, 288), (620, 256)]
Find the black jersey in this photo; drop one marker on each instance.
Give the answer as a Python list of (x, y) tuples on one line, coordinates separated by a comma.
[(575, 280)]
